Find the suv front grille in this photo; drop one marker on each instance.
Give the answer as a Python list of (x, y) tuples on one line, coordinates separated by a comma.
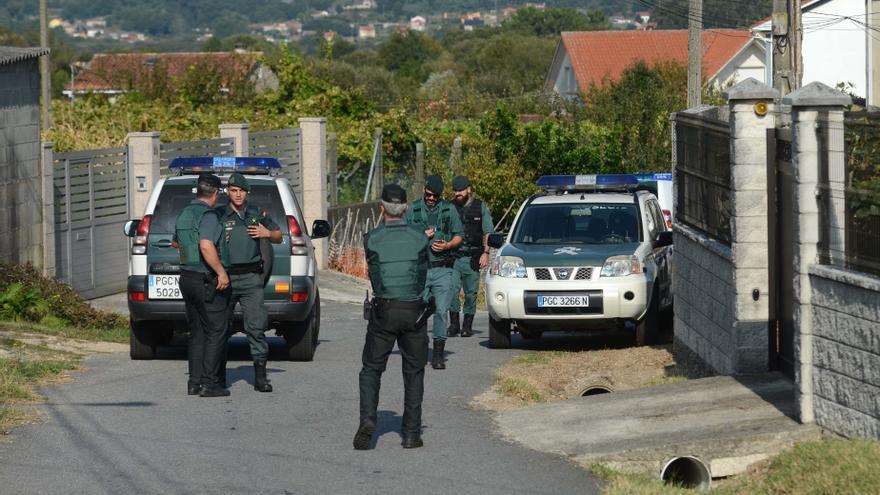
[(564, 273), (543, 274), (584, 273)]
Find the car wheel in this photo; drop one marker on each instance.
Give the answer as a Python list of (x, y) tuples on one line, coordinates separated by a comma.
[(499, 333), (647, 330), (142, 342), (302, 336)]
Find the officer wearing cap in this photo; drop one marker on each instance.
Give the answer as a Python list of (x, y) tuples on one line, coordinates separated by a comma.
[(204, 285), (473, 255), (244, 224), (440, 222), (397, 260)]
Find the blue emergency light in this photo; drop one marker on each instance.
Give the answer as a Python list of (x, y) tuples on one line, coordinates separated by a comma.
[(605, 182), (224, 164)]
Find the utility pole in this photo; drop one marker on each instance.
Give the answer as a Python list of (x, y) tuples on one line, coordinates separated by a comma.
[(782, 80), (45, 81), (795, 36), (695, 53)]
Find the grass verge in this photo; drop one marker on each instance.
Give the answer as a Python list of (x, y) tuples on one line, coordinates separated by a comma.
[(112, 334), (810, 468)]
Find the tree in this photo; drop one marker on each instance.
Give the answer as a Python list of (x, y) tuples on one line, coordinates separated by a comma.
[(673, 14), (507, 64), (407, 55), (551, 22)]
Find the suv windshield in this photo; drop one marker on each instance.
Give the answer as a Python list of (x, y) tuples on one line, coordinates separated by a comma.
[(174, 198), (594, 223)]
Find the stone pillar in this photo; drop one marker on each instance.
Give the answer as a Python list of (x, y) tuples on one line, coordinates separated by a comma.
[(240, 135), (313, 149), (811, 106), (143, 169), (48, 208), (751, 106)]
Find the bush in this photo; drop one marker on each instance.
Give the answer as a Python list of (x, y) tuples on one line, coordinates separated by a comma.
[(47, 300)]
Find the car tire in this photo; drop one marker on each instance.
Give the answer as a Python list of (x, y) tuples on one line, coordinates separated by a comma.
[(142, 342), (648, 329), (302, 336), (499, 333)]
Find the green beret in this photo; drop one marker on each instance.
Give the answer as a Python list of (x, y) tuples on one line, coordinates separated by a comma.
[(460, 183), (434, 184), (238, 180), (210, 179), (392, 193)]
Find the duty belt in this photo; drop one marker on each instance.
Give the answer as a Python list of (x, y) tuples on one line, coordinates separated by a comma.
[(444, 263), (383, 303), (246, 268)]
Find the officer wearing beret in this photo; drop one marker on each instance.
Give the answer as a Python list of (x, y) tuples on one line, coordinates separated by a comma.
[(244, 224), (473, 255), (397, 260), (204, 285), (440, 222)]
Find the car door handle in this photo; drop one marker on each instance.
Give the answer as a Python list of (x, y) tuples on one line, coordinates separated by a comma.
[(162, 243)]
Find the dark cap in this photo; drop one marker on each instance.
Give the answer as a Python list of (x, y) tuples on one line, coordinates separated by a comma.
[(210, 179), (460, 183), (392, 193), (238, 180), (434, 184)]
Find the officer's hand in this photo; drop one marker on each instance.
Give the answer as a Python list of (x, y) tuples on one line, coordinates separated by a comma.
[(257, 231), (222, 281), (429, 232), (484, 260), (438, 246)]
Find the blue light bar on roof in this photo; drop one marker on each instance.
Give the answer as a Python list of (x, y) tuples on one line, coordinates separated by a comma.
[(588, 182), (654, 177), (222, 164)]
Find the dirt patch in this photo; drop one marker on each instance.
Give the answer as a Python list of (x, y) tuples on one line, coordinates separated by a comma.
[(537, 377), (55, 343)]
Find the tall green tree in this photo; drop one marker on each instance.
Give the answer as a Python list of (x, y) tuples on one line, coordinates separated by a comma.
[(551, 22), (407, 54)]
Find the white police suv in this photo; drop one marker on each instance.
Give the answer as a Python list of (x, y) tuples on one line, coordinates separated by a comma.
[(589, 252), (291, 293)]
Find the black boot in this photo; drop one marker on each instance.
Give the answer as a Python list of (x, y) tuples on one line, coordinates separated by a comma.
[(452, 329), (437, 361), (364, 435), (261, 383), (466, 328)]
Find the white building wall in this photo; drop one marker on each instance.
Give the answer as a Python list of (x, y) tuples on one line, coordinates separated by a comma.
[(566, 83), (838, 52)]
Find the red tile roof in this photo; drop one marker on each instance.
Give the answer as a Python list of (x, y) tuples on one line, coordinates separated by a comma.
[(596, 55), (125, 71)]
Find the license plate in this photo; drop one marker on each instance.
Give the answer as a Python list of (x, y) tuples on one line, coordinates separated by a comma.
[(164, 287), (563, 301)]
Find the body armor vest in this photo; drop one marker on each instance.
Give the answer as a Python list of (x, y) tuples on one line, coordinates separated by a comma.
[(440, 219), (186, 229), (236, 245), (472, 220), (397, 260)]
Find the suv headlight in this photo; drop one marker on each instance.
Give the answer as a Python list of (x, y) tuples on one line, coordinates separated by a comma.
[(621, 266), (508, 266)]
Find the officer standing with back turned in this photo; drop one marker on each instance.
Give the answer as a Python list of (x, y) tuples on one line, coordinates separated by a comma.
[(204, 286), (473, 255), (244, 225), (440, 222), (397, 260)]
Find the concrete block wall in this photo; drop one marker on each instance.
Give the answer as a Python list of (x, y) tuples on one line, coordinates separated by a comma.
[(20, 182), (846, 351)]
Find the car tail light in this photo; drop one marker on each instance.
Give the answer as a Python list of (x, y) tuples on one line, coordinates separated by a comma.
[(137, 296), (299, 297), (139, 245), (297, 241), (667, 215)]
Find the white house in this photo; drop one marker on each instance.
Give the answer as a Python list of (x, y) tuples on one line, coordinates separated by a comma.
[(836, 43), (417, 23)]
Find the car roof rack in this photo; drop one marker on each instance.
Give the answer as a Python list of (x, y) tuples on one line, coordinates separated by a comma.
[(562, 184), (250, 165)]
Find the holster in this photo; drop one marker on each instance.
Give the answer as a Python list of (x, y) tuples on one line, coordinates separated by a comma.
[(368, 306), (426, 313)]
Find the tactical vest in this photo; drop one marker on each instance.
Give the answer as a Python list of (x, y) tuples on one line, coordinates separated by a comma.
[(236, 245), (397, 261), (186, 229), (472, 220), (440, 219)]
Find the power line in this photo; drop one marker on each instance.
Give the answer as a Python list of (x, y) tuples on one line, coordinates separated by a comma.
[(683, 14)]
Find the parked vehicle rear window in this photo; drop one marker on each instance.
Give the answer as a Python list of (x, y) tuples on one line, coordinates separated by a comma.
[(594, 223), (174, 198)]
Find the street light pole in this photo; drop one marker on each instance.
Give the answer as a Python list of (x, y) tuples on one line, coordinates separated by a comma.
[(45, 81)]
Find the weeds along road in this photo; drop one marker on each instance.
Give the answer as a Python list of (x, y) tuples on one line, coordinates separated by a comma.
[(128, 427)]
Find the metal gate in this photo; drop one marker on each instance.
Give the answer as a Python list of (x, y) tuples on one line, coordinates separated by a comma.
[(91, 205), (780, 232), (283, 144)]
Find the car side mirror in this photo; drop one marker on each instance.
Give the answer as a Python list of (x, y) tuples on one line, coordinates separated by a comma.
[(320, 228), (664, 239), (496, 240), (130, 227)]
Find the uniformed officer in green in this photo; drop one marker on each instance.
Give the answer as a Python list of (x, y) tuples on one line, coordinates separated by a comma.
[(204, 285), (473, 255), (244, 224), (397, 260), (440, 222)]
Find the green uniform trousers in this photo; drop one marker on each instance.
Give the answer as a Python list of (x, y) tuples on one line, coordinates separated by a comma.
[(390, 323), (439, 285), (206, 316), (464, 277), (247, 290)]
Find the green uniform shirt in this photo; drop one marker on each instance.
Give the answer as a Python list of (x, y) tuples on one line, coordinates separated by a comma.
[(236, 245), (397, 260), (443, 217)]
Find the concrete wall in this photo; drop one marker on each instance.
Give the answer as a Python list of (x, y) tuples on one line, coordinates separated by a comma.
[(846, 351), (20, 182)]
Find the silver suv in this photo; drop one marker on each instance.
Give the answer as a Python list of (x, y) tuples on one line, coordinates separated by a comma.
[(292, 297)]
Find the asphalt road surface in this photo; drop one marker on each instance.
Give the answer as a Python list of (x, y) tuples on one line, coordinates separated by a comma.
[(128, 426)]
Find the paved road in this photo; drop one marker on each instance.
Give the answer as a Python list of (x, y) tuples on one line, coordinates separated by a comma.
[(127, 427)]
